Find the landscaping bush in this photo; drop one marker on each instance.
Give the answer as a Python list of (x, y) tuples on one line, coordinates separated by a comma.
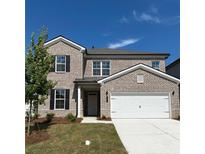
[(70, 117), (35, 116), (49, 116), (103, 117)]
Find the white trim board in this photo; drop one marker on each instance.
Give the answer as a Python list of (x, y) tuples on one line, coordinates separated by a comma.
[(55, 99), (138, 66), (82, 49)]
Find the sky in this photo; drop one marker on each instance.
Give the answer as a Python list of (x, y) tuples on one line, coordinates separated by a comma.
[(136, 25)]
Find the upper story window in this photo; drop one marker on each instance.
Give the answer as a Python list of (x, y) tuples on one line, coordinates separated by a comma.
[(101, 68), (60, 63), (155, 65), (60, 99)]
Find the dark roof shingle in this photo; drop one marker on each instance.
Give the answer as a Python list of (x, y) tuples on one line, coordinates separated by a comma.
[(107, 51)]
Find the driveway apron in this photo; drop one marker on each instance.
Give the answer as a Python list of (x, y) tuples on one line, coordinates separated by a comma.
[(149, 136)]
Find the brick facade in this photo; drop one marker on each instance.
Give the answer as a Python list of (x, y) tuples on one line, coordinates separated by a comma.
[(128, 83), (65, 80), (82, 67), (120, 64)]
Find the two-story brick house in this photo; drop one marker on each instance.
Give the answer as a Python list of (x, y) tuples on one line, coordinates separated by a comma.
[(114, 83)]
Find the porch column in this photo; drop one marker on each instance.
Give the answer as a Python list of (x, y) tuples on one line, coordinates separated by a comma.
[(79, 94)]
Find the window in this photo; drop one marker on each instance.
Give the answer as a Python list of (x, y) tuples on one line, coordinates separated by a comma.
[(105, 68), (101, 68), (60, 64), (59, 99), (140, 78), (155, 64), (96, 68)]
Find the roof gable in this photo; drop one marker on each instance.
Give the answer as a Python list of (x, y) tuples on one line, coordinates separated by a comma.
[(139, 66), (65, 40)]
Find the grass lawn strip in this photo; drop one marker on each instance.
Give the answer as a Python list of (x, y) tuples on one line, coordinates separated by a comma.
[(70, 138)]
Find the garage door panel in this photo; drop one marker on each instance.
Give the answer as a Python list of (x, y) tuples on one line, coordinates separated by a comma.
[(140, 106)]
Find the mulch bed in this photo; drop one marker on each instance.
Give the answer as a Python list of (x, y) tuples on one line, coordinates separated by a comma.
[(36, 136), (61, 120), (55, 120), (104, 118), (41, 134)]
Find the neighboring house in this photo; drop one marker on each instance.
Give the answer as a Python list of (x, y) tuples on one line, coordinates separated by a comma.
[(114, 83), (174, 68)]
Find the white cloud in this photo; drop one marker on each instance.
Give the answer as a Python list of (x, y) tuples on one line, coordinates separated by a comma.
[(153, 9), (134, 14), (149, 18), (123, 20), (145, 17), (123, 43), (152, 16)]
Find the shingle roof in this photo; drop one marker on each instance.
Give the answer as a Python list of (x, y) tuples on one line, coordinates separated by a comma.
[(88, 79), (177, 61), (107, 51)]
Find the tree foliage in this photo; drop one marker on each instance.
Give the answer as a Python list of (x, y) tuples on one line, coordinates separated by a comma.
[(37, 66)]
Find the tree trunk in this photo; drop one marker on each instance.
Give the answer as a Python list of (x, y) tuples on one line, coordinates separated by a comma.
[(29, 118), (36, 108)]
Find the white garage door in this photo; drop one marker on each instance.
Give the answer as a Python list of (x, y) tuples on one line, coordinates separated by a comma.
[(136, 105)]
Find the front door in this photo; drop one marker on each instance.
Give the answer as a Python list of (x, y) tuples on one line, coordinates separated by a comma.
[(92, 104)]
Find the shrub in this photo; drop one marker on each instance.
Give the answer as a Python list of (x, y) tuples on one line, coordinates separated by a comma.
[(70, 117), (35, 116), (103, 117), (49, 116)]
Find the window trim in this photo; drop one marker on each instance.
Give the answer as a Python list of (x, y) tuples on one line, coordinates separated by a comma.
[(59, 99), (155, 67), (101, 72), (99, 68), (59, 63)]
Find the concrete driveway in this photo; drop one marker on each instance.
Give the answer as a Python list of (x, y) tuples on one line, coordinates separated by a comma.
[(149, 136)]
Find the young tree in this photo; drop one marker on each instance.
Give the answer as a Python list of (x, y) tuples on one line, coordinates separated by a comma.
[(38, 63)]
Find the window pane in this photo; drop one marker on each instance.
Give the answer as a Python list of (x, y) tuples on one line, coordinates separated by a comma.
[(105, 64), (59, 104), (96, 71), (60, 67), (96, 64), (155, 64), (106, 72), (60, 94), (60, 59)]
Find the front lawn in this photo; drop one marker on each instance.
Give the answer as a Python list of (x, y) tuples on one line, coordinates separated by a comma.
[(70, 138)]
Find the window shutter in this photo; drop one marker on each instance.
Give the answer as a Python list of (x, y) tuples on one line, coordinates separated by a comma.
[(53, 64), (67, 99), (52, 99), (67, 63)]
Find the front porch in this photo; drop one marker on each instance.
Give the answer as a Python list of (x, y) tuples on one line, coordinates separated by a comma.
[(88, 97)]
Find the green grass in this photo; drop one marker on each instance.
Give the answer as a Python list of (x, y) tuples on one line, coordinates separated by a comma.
[(70, 139)]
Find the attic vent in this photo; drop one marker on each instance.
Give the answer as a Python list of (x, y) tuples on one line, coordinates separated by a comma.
[(140, 78)]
